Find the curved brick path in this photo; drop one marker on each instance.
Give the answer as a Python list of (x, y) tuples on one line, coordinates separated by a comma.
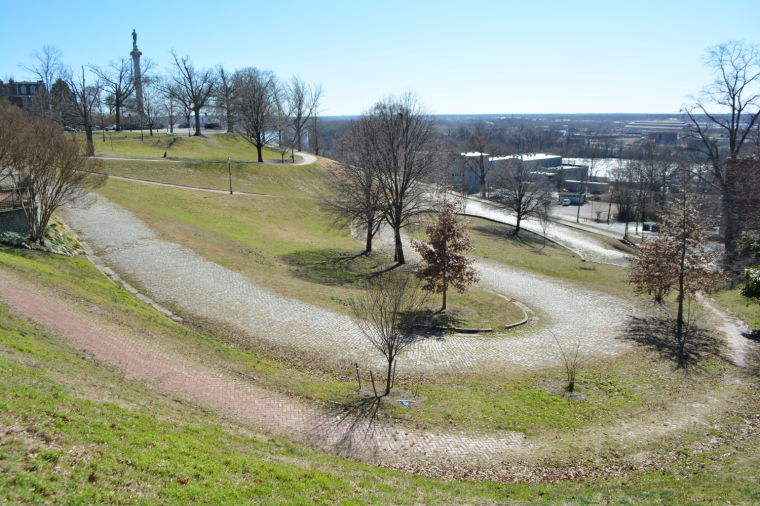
[(177, 276), (209, 385)]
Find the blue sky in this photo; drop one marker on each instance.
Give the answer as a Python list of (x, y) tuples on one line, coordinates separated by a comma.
[(465, 57)]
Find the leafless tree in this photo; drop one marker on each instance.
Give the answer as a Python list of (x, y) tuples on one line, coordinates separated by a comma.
[(353, 196), (47, 166), (225, 97), (731, 106), (85, 100), (152, 105), (571, 361), (257, 98), (479, 164), (194, 86), (303, 102), (386, 313), (394, 139), (520, 191), (544, 215), (118, 84), (48, 68)]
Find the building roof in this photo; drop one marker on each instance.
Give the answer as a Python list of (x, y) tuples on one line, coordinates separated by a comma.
[(526, 157)]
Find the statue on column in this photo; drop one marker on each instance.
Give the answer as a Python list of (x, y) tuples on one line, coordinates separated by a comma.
[(134, 38)]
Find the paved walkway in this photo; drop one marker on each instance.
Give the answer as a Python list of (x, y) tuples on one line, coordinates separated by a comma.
[(210, 385), (306, 159), (583, 243), (176, 276)]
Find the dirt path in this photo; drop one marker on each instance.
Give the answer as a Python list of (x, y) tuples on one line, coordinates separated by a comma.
[(735, 330), (166, 367), (179, 278)]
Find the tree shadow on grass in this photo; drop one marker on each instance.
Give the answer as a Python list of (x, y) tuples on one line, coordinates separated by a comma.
[(433, 318), (659, 333), (526, 239), (337, 267)]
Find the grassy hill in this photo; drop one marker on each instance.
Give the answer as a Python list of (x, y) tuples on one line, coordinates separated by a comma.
[(216, 147), (75, 430)]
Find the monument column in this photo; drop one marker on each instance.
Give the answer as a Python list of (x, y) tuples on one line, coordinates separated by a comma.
[(137, 74)]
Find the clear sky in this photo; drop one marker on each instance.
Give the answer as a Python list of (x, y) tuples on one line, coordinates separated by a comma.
[(460, 57)]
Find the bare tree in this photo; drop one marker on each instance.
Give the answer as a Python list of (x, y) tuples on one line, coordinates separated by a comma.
[(386, 313), (47, 166), (394, 139), (303, 102), (152, 105), (48, 68), (731, 106), (225, 97), (443, 263), (479, 163), (257, 98), (85, 99), (520, 190), (118, 84), (194, 86), (678, 259), (354, 193)]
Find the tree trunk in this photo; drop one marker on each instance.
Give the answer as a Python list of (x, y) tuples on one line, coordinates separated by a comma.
[(368, 244), (517, 226), (679, 316), (259, 152), (118, 117), (399, 254), (389, 377), (90, 150), (443, 306), (197, 121)]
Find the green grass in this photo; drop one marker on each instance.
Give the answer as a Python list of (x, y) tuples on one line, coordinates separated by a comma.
[(293, 181), (215, 147), (744, 308), (77, 432), (493, 241)]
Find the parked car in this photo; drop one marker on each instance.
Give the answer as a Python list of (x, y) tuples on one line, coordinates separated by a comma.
[(67, 128), (110, 128), (565, 202)]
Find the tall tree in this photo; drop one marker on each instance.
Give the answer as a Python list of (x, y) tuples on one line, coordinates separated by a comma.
[(354, 194), (85, 100), (444, 264), (118, 84), (257, 98), (520, 190), (225, 97), (728, 108), (395, 140), (194, 86), (679, 259), (48, 68), (303, 102)]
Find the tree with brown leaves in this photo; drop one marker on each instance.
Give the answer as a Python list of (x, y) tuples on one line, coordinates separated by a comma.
[(443, 264), (679, 259)]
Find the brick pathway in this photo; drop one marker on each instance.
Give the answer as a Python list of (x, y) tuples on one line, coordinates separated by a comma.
[(162, 366)]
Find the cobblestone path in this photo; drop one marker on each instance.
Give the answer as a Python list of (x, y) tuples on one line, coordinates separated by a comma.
[(177, 276)]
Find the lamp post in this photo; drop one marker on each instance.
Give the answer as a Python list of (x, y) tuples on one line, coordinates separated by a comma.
[(229, 173)]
